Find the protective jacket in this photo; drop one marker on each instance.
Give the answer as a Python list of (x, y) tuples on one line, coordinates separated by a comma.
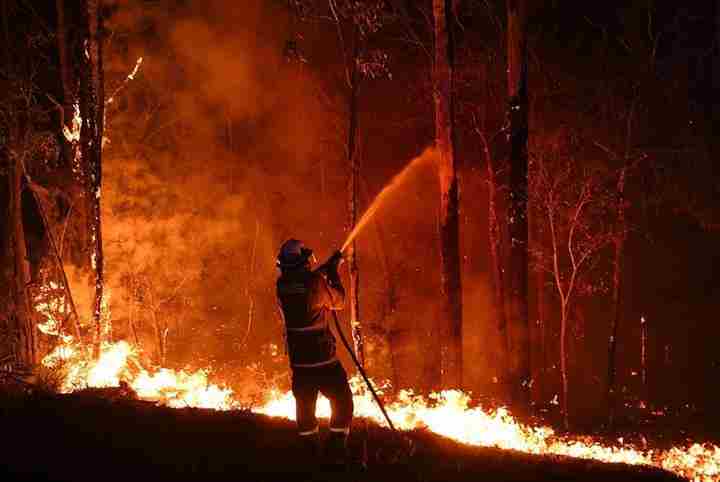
[(306, 298)]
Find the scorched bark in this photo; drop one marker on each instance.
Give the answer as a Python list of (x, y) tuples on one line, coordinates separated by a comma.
[(450, 282)]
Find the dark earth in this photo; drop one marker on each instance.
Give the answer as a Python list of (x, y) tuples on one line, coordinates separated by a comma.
[(87, 437)]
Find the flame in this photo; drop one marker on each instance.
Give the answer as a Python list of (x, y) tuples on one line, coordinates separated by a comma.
[(128, 78), (72, 133), (448, 413), (120, 362), (181, 389)]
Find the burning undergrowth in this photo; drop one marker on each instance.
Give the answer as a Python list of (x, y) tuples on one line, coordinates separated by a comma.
[(450, 413)]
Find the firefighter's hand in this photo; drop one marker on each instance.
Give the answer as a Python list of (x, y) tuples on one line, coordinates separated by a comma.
[(335, 260)]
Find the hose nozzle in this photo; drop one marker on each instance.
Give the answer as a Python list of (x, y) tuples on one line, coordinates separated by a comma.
[(336, 258)]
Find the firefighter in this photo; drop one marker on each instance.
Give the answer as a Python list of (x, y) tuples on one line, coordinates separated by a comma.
[(306, 298)]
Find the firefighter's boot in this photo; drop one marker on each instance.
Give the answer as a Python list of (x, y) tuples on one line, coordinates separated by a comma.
[(309, 450), (336, 449)]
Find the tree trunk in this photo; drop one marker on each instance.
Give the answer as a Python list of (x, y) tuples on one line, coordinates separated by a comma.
[(542, 329), (517, 203), (563, 365), (644, 395), (68, 99), (91, 135), (616, 296), (353, 197), (69, 300), (619, 242), (494, 237), (26, 347), (450, 281)]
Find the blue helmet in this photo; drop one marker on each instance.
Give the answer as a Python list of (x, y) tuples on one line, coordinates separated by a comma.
[(293, 254)]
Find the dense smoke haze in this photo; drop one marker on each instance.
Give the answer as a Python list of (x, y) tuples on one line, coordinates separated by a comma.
[(223, 147), (232, 137), (221, 150)]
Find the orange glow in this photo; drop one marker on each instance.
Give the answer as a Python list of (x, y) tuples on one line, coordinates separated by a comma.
[(447, 413), (120, 362)]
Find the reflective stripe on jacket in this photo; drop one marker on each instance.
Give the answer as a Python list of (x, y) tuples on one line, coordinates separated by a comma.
[(306, 297)]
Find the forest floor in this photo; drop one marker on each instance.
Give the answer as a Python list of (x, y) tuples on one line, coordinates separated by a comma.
[(84, 436)]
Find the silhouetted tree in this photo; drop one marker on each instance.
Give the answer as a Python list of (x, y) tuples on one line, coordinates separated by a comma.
[(571, 197), (354, 23), (518, 199), (445, 140), (92, 104)]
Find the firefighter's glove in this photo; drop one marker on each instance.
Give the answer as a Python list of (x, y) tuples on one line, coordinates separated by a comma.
[(331, 268), (335, 260)]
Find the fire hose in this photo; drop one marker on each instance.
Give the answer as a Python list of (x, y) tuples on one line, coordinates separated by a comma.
[(357, 363), (362, 372)]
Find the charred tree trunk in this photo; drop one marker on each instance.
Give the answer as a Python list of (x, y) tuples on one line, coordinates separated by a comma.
[(517, 203), (66, 76), (449, 226), (25, 336), (91, 135), (353, 197)]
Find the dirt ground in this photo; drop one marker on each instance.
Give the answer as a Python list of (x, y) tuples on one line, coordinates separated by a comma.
[(84, 437)]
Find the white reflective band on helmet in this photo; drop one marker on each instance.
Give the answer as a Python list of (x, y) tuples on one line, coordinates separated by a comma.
[(311, 432), (345, 430)]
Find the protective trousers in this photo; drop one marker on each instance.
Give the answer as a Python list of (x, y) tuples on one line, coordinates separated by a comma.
[(330, 380)]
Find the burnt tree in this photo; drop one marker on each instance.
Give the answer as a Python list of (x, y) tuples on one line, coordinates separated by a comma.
[(518, 200), (619, 241), (66, 77), (351, 148), (25, 336), (627, 158), (449, 226), (91, 135), (354, 23)]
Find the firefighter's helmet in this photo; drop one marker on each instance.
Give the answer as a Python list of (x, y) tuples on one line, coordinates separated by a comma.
[(293, 254)]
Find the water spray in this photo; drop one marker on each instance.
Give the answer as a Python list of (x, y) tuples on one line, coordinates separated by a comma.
[(427, 155), (398, 179)]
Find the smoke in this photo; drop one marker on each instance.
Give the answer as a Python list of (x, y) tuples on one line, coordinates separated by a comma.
[(206, 171), (221, 149), (390, 188)]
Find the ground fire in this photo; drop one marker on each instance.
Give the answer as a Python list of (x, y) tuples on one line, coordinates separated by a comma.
[(448, 413)]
